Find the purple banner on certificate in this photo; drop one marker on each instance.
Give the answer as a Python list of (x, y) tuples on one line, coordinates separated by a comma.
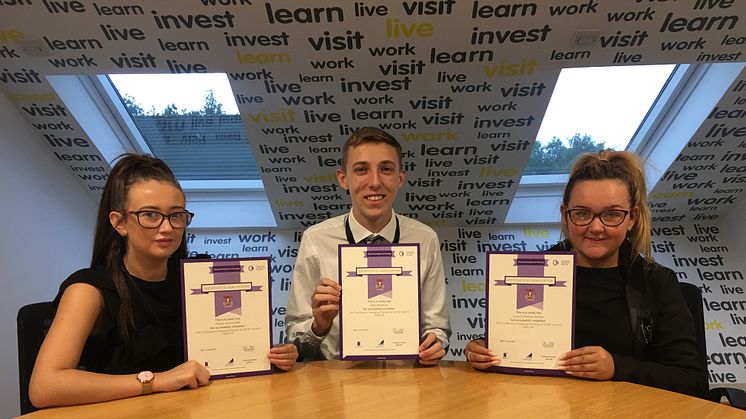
[(530, 265), (228, 297), (379, 284)]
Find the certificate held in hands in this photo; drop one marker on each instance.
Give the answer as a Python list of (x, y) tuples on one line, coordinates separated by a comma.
[(530, 310), (379, 313), (227, 315)]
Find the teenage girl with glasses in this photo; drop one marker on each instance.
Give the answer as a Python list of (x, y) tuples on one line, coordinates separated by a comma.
[(631, 320), (121, 318)]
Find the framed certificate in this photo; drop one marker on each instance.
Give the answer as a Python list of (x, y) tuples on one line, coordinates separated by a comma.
[(227, 315), (379, 312), (530, 310)]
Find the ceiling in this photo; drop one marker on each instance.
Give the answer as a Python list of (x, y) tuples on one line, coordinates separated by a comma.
[(306, 75)]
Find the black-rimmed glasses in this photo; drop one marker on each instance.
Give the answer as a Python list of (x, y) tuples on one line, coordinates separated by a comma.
[(610, 218), (154, 219)]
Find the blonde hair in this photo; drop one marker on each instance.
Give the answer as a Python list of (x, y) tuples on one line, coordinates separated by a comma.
[(626, 167)]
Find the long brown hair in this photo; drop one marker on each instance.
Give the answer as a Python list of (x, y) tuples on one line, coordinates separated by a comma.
[(626, 167), (108, 246)]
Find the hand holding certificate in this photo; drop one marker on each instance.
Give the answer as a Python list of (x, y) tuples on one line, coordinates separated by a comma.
[(227, 315), (530, 310), (379, 314)]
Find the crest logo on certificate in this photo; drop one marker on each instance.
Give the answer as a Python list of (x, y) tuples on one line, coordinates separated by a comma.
[(227, 315), (530, 309), (379, 314)]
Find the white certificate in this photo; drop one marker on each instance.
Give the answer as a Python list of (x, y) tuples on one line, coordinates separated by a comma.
[(227, 315), (379, 313), (530, 310)]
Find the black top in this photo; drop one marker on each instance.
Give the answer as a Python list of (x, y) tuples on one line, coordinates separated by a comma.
[(664, 346), (156, 341), (601, 311)]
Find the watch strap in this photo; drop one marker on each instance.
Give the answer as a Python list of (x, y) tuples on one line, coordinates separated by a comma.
[(146, 379)]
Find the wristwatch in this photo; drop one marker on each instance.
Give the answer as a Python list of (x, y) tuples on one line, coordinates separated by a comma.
[(146, 379)]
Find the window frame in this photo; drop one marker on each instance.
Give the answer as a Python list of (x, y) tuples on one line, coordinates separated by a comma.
[(679, 110), (96, 106), (676, 114)]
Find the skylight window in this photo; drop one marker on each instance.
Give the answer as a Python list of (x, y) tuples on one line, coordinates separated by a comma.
[(591, 109), (191, 121)]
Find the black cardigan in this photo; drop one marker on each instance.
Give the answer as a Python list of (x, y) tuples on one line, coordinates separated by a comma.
[(665, 354)]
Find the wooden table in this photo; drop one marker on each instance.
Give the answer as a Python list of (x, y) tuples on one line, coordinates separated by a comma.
[(382, 389)]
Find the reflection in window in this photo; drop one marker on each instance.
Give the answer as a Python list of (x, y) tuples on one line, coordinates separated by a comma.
[(591, 109), (192, 122)]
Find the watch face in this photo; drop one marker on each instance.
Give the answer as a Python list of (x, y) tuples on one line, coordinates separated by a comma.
[(145, 376)]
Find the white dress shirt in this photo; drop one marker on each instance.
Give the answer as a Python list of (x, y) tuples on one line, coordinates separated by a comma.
[(318, 258)]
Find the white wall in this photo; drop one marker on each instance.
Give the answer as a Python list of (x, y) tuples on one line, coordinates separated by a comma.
[(734, 225), (46, 230)]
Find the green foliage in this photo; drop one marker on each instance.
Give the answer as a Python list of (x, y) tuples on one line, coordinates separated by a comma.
[(556, 157), (211, 107), (170, 110), (132, 106)]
